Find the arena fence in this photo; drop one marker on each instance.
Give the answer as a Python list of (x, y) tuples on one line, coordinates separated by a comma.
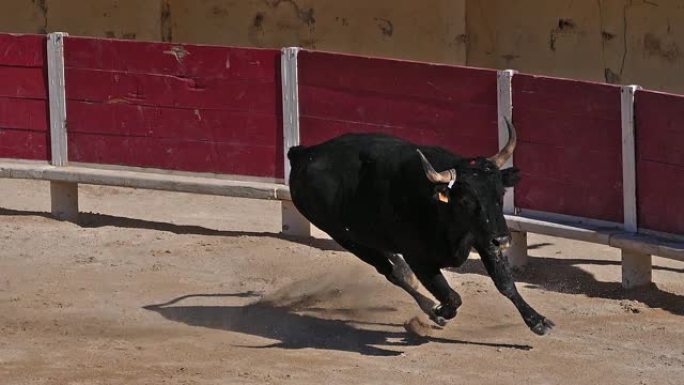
[(600, 163)]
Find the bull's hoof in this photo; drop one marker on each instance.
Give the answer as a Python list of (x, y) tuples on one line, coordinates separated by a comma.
[(446, 312), (441, 321), (543, 327), (437, 317)]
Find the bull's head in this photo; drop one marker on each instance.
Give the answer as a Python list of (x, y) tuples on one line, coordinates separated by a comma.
[(473, 194)]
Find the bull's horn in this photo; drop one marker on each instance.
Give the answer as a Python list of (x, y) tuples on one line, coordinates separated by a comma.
[(506, 152), (447, 176)]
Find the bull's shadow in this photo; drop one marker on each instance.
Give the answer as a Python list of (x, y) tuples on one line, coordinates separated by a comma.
[(297, 329), (553, 274), (563, 275)]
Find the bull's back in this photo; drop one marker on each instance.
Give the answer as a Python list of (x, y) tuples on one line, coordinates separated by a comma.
[(329, 181)]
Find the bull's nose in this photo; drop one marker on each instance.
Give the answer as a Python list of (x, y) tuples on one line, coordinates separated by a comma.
[(502, 242)]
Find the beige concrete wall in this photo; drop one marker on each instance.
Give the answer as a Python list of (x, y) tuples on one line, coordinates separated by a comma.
[(618, 41), (22, 16), (558, 37), (129, 19), (431, 31)]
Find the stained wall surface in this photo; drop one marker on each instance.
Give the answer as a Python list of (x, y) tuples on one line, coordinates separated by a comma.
[(616, 41)]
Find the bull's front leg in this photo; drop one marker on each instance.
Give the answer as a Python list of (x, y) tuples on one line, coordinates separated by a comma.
[(500, 272)]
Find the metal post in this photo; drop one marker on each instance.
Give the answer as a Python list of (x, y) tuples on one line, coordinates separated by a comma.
[(293, 223), (636, 267), (517, 253), (64, 196), (290, 84), (505, 111)]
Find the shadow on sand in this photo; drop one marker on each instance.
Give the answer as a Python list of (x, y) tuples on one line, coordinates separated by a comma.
[(297, 329), (553, 274), (565, 275)]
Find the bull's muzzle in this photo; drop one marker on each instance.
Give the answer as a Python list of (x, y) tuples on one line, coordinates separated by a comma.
[(502, 243)]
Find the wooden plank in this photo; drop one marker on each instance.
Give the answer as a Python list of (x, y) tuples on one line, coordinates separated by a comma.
[(556, 128), (25, 114), (647, 245), (57, 99), (290, 101), (172, 91), (660, 161), (22, 50), (660, 203), (394, 110), (23, 144), (569, 147), (560, 196), (431, 104), (518, 252), (394, 77), (185, 60), (175, 154), (660, 122), (571, 164), (484, 142), (629, 161), (169, 123), (23, 82), (572, 97)]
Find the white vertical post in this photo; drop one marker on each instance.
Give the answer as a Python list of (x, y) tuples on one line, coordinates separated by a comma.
[(64, 196), (517, 252), (290, 85), (636, 267), (57, 93), (505, 111), (629, 158), (293, 223)]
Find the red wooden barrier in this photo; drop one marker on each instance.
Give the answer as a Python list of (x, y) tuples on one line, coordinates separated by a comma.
[(454, 107), (660, 161), (24, 123), (569, 149), (181, 107)]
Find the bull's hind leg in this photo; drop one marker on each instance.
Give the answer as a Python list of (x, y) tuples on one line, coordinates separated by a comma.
[(396, 271), (437, 285)]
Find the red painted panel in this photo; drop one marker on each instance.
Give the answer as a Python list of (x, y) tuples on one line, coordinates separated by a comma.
[(395, 110), (171, 91), (660, 198), (23, 82), (184, 60), (549, 185), (181, 107), (385, 76), (660, 161), (315, 130), (175, 154), (21, 144), (22, 50), (660, 127), (173, 123), (454, 107), (569, 151), (26, 114)]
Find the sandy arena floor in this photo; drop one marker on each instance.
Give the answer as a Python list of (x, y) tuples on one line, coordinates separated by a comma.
[(168, 288)]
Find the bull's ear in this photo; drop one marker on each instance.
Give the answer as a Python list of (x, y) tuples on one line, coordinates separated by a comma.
[(510, 176), (441, 194)]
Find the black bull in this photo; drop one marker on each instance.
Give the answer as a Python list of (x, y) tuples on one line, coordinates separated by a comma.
[(380, 198)]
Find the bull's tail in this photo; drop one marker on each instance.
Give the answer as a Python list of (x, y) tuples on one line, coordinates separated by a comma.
[(295, 153)]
